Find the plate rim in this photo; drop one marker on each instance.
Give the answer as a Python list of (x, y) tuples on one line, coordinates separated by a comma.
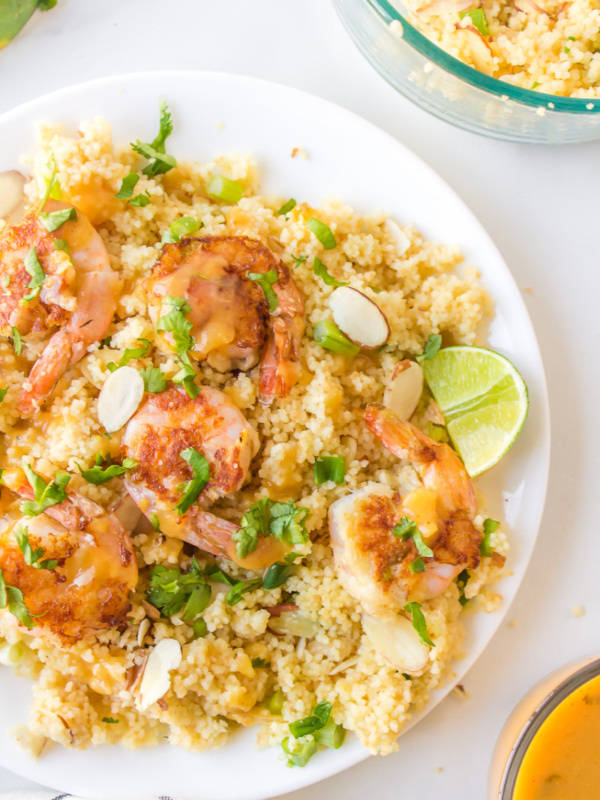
[(355, 754)]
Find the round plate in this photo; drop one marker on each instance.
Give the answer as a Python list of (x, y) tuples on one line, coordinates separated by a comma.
[(349, 158)]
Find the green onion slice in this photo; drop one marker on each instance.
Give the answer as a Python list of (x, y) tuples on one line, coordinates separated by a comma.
[(432, 346), (329, 468), (287, 207), (225, 189), (489, 526), (331, 338)]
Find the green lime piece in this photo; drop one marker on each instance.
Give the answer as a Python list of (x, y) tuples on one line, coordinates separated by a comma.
[(483, 399)]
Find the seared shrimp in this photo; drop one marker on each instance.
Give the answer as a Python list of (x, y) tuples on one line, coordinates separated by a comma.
[(88, 589), (161, 430), (372, 562), (231, 322), (75, 303)]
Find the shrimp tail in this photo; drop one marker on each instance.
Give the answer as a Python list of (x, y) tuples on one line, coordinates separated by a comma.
[(211, 534), (45, 373), (280, 369)]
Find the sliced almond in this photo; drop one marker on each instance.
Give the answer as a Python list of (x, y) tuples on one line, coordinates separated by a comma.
[(397, 235), (481, 53), (438, 7), (403, 392), (433, 413), (529, 7), (293, 623), (359, 318), (119, 398), (127, 512), (12, 198), (397, 642), (31, 743), (156, 680)]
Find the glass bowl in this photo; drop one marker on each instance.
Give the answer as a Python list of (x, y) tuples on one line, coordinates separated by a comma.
[(526, 720), (457, 93)]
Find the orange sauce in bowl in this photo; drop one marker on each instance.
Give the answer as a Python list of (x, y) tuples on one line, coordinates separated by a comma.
[(563, 759)]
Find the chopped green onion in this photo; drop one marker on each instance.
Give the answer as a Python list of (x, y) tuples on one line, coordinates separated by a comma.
[(179, 228), (329, 468), (200, 628), (201, 472), (567, 49), (62, 244), (16, 336), (38, 276), (323, 232), (489, 526), (331, 338), (432, 346), (535, 85), (331, 735), (320, 271), (463, 579), (54, 219), (225, 189), (317, 720), (276, 575), (50, 183), (154, 522), (275, 703), (127, 186), (286, 207), (109, 720), (3, 393), (266, 280), (479, 20), (418, 622), (437, 432), (299, 754)]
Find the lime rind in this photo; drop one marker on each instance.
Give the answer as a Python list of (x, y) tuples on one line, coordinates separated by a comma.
[(484, 400)]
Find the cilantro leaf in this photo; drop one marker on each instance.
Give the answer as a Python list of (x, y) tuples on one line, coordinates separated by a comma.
[(17, 345), (154, 521), (176, 323), (171, 590), (3, 393), (416, 566), (51, 184), (32, 557), (127, 186), (287, 207), (256, 521), (140, 200), (155, 152), (97, 475), (38, 276), (52, 220), (12, 598), (62, 244), (320, 271), (266, 280), (287, 523), (418, 622), (299, 260), (154, 380), (110, 720), (432, 347), (479, 20), (405, 529), (46, 494), (489, 526), (201, 472), (130, 353), (241, 588), (260, 663), (276, 575)]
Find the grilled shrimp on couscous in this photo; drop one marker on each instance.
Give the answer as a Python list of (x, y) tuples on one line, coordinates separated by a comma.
[(181, 408)]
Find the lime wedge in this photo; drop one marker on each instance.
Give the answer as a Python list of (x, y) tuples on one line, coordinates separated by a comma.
[(483, 399)]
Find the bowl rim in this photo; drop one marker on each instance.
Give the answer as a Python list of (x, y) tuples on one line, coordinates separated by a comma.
[(537, 718), (432, 52)]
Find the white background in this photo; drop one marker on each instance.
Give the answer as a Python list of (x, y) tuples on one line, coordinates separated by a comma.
[(540, 205)]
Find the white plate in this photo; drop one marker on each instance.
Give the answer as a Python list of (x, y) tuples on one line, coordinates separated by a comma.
[(350, 158)]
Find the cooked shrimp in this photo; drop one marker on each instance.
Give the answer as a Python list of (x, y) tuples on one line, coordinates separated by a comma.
[(231, 323), (88, 590), (372, 562), (74, 306), (161, 430)]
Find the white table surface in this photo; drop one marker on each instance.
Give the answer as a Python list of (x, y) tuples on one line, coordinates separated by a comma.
[(540, 205)]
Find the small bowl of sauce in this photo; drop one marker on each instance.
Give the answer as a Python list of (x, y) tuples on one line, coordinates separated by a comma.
[(549, 748)]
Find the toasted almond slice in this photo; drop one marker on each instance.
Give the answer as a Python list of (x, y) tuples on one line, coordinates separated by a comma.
[(403, 392), (359, 317), (156, 680), (433, 413), (119, 398), (293, 623), (438, 7), (479, 49), (12, 198), (398, 236), (127, 512), (397, 642), (529, 7)]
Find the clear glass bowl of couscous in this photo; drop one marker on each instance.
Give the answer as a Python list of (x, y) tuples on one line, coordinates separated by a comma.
[(458, 93)]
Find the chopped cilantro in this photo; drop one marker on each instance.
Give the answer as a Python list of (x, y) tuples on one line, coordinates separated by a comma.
[(3, 393), (52, 220), (32, 557), (323, 232), (12, 598), (432, 346), (418, 622), (320, 271), (130, 353), (155, 152), (51, 185), (289, 558), (405, 528), (38, 276), (260, 663), (99, 475), (241, 588), (127, 186), (299, 260), (109, 720), (140, 200), (176, 323), (416, 566), (62, 244), (45, 494), (154, 380), (266, 280), (172, 590), (285, 521), (201, 472)]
